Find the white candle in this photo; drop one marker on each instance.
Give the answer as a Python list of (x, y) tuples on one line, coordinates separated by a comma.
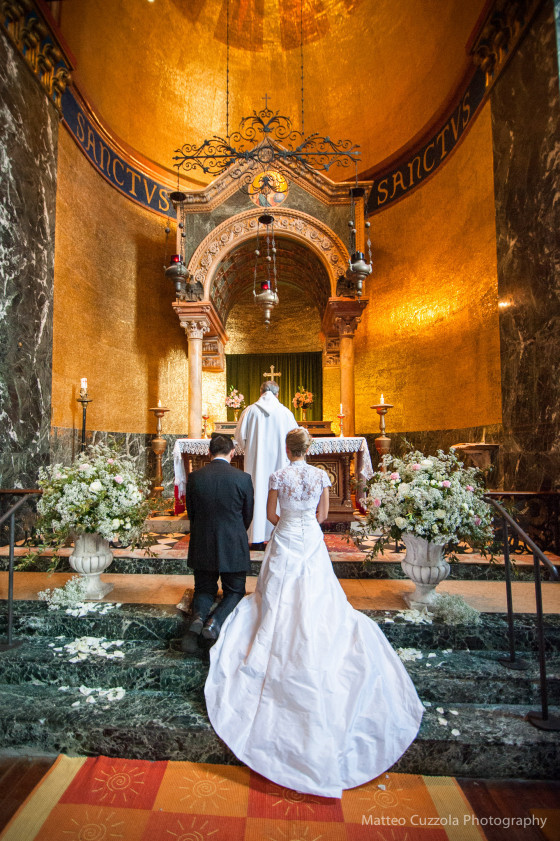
[(382, 399), (83, 383), (159, 403), (340, 409)]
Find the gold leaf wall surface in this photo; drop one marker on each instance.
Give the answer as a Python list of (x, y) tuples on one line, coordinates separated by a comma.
[(113, 321), (429, 338), (376, 71), (294, 325)]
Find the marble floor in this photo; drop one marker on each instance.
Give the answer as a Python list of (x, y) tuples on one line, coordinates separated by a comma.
[(363, 594)]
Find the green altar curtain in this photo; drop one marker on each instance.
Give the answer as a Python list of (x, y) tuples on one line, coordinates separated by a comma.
[(245, 373)]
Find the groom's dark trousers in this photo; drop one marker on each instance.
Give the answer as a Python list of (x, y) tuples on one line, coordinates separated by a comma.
[(219, 501)]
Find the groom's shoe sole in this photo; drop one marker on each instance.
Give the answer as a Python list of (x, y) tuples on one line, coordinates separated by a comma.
[(196, 625)]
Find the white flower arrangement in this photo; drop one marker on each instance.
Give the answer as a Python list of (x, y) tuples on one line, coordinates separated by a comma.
[(102, 493), (435, 498)]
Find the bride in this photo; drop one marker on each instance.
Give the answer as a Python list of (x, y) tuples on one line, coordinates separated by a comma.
[(304, 689)]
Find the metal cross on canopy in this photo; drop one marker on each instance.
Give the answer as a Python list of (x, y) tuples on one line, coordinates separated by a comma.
[(272, 374)]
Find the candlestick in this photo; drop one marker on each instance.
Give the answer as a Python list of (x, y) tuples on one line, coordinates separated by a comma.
[(158, 445), (205, 418), (341, 419), (382, 442), (84, 400)]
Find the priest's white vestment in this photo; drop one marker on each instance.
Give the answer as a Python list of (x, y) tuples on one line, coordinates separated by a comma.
[(261, 431)]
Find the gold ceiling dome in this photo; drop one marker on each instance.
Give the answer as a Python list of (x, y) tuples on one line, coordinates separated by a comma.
[(378, 71)]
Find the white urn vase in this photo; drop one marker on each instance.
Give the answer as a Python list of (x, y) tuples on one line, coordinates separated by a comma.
[(91, 557), (424, 563)]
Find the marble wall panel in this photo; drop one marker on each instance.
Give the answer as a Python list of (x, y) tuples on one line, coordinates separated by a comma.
[(525, 126), (28, 154)]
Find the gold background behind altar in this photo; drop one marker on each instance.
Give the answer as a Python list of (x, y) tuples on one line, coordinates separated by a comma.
[(429, 338), (433, 308), (294, 326), (113, 321), (376, 71)]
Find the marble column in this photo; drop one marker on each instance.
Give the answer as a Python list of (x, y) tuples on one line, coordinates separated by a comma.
[(346, 326), (28, 174), (525, 129), (195, 330)]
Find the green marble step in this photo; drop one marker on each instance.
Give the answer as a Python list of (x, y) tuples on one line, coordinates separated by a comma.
[(456, 676), (146, 665), (492, 741), (162, 622), (477, 677), (344, 568)]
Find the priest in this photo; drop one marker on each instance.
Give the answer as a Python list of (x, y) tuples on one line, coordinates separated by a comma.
[(261, 431)]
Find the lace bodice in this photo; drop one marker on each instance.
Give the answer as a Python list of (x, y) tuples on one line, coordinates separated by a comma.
[(299, 486)]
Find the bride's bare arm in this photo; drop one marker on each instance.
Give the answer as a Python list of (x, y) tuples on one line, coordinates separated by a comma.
[(271, 503), (323, 507)]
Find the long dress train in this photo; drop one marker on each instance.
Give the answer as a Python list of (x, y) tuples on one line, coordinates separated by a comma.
[(304, 689)]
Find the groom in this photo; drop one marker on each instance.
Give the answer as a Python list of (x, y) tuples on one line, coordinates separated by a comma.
[(219, 501)]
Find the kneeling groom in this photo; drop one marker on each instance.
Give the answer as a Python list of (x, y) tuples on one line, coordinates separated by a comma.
[(219, 501)]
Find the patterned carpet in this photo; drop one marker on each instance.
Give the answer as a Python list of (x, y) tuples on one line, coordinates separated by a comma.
[(99, 798)]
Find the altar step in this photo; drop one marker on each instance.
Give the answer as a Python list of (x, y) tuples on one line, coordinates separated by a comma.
[(162, 622), (171, 559), (440, 676), (162, 715)]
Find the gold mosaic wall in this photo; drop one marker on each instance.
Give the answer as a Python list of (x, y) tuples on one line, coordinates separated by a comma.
[(429, 338), (375, 72), (294, 325), (113, 321)]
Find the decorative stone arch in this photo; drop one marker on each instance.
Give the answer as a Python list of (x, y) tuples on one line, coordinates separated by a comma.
[(302, 227)]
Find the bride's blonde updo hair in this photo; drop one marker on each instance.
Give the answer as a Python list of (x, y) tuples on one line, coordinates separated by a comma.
[(298, 441)]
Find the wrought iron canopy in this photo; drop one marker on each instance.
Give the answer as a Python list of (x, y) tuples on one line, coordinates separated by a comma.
[(264, 139)]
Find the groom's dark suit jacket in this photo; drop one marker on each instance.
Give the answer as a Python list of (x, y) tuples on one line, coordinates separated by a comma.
[(219, 501)]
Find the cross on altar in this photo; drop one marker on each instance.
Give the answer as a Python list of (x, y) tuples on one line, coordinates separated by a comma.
[(272, 374)]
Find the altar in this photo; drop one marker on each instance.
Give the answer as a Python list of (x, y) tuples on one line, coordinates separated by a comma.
[(341, 458)]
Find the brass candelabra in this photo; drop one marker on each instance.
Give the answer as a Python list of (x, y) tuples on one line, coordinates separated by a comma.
[(159, 445), (382, 442), (341, 420)]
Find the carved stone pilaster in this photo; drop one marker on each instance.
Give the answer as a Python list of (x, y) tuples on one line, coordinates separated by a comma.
[(213, 357), (31, 33), (500, 33), (331, 352)]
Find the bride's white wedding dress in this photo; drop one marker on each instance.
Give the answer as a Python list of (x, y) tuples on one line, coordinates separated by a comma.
[(304, 689)]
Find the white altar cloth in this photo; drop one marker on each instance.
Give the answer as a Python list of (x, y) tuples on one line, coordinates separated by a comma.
[(320, 446)]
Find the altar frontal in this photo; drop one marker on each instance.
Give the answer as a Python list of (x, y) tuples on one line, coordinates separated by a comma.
[(339, 457)]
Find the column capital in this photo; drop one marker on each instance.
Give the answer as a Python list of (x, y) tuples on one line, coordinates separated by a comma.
[(342, 316), (195, 328), (201, 311), (346, 324)]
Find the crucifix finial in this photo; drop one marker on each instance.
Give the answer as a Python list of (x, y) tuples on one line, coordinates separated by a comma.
[(265, 97), (272, 374)]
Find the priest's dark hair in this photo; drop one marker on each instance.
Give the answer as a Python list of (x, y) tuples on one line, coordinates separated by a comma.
[(270, 386), (220, 445)]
